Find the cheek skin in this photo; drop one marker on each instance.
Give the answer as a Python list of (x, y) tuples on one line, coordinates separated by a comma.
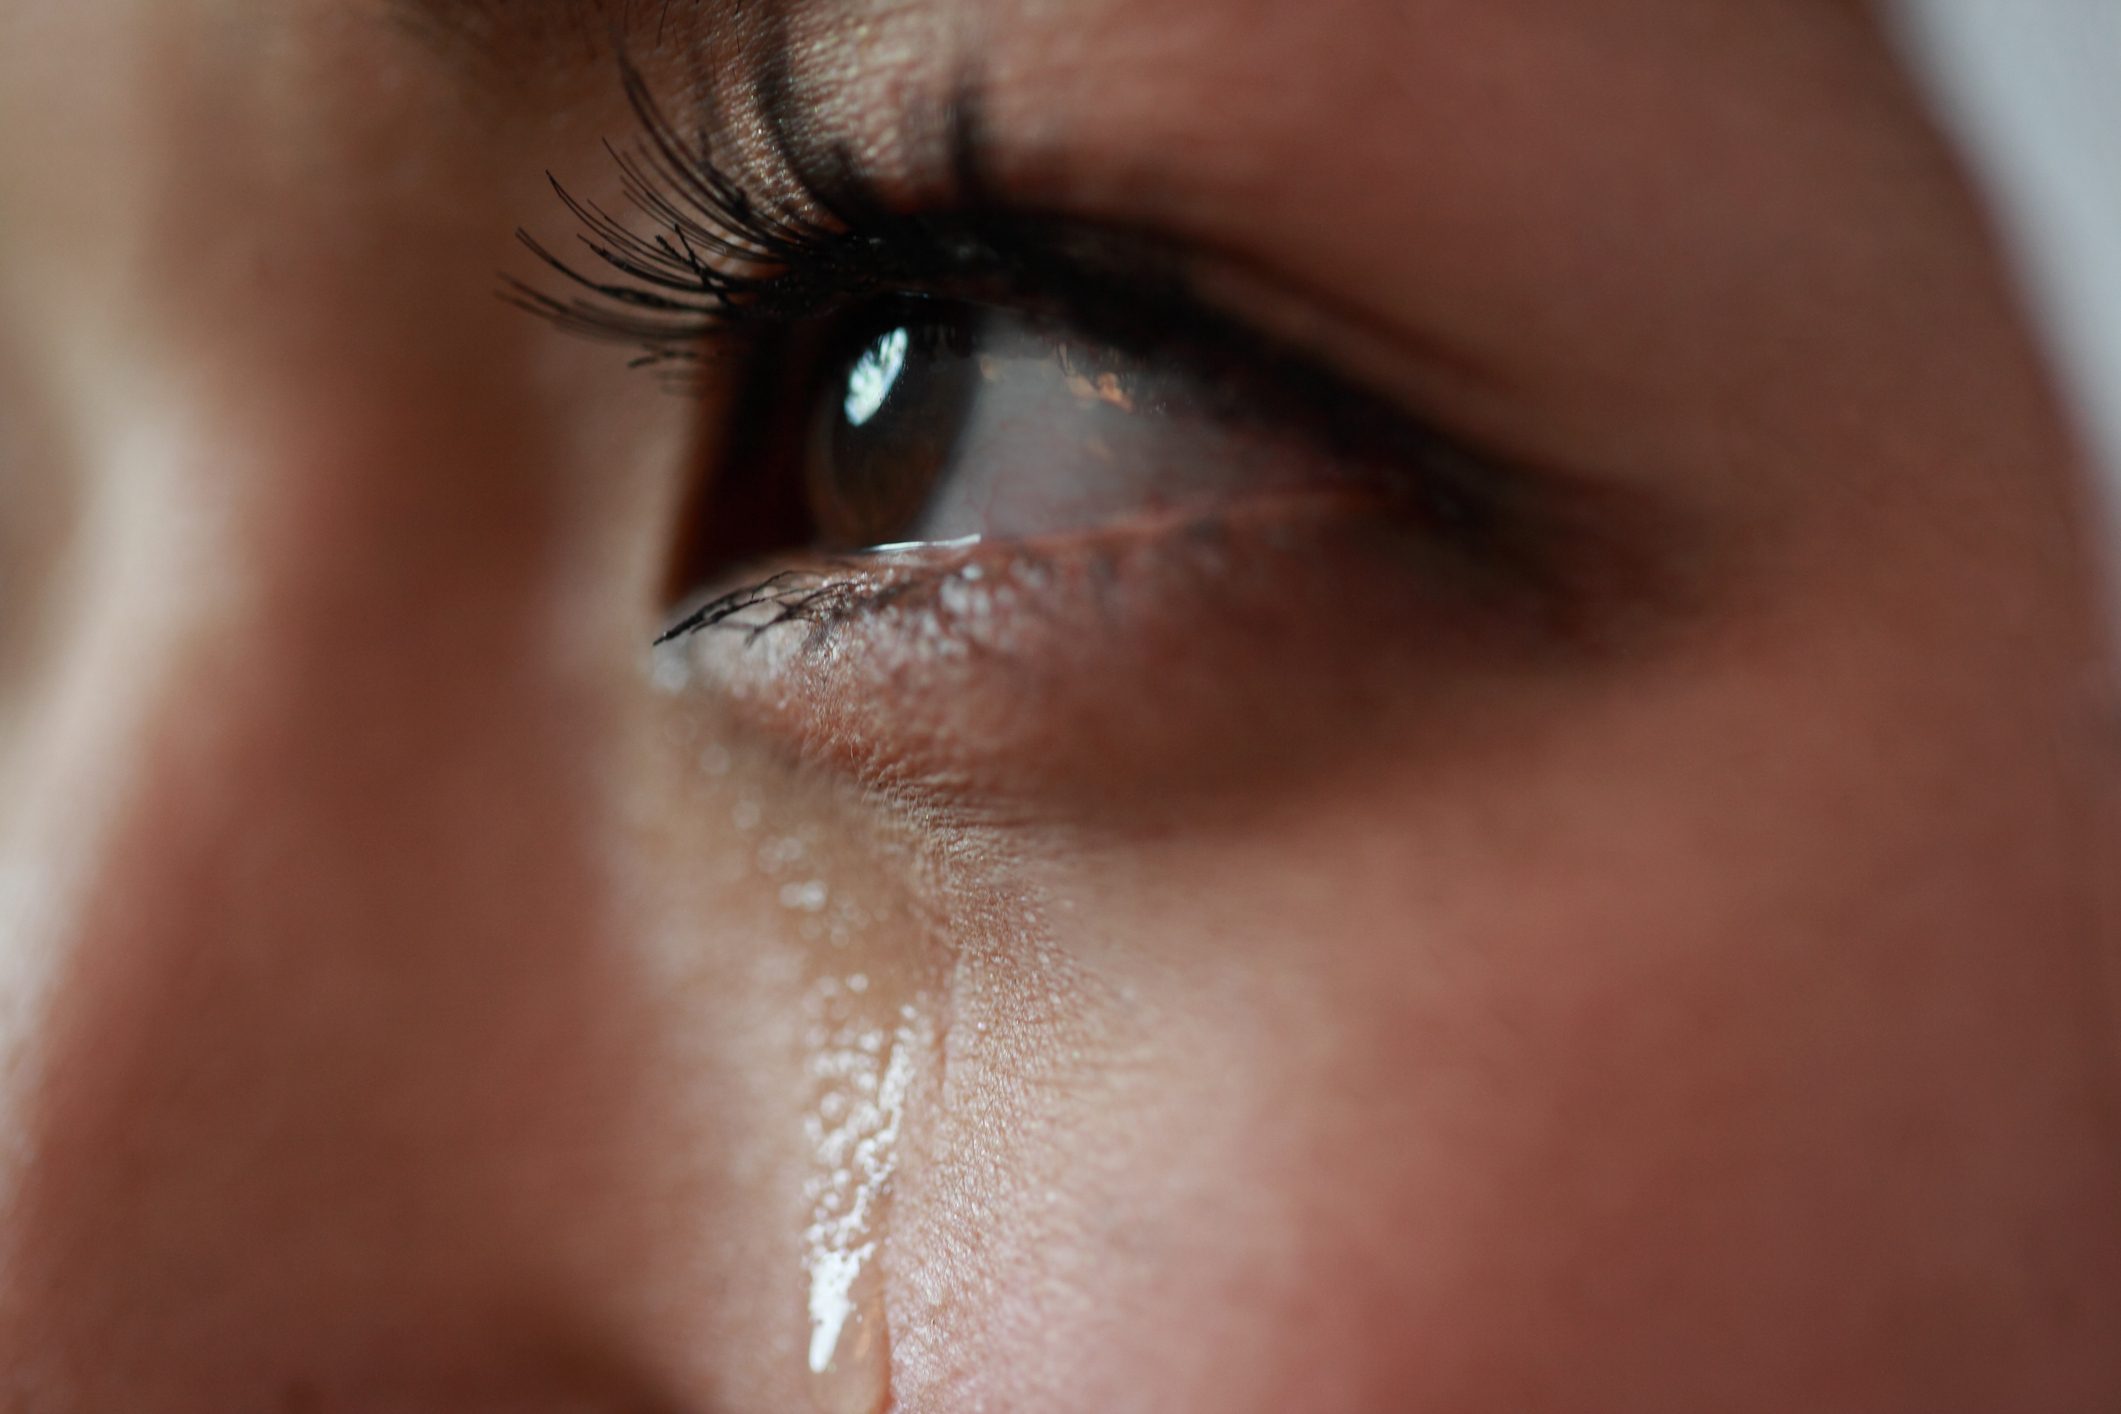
[(797, 923), (1726, 1039), (1738, 1047)]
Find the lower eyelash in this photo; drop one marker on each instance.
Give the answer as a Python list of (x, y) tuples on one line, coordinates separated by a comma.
[(817, 598), (823, 596), (820, 599)]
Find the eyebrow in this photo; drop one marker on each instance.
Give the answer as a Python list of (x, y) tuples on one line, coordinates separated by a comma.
[(508, 33), (491, 29)]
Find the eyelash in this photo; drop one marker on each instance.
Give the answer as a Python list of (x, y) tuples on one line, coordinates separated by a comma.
[(723, 272), (684, 291)]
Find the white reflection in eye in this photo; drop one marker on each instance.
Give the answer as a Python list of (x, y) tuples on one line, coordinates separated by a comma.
[(870, 382)]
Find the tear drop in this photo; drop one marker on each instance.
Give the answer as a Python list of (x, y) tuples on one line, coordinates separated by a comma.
[(850, 1346), (864, 1077)]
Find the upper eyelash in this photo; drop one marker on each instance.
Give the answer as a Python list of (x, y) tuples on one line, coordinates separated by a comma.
[(719, 261)]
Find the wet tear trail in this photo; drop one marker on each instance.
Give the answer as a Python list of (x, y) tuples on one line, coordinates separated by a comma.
[(867, 965), (863, 1053)]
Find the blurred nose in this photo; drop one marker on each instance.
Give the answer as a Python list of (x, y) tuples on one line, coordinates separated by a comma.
[(319, 1019)]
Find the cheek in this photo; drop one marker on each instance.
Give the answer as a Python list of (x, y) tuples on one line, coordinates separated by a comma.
[(1584, 1089), (1716, 1035)]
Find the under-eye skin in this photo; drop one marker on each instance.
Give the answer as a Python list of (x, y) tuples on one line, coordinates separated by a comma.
[(977, 434)]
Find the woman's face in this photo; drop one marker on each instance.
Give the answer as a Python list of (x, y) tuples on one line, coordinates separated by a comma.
[(1514, 809)]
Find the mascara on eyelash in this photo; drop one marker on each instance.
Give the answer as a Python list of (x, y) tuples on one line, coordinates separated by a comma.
[(720, 260)]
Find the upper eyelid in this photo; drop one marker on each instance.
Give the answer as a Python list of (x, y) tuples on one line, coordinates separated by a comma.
[(724, 256), (713, 228), (777, 266), (727, 261)]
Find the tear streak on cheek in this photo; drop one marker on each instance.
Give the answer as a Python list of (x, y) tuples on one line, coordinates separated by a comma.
[(854, 922)]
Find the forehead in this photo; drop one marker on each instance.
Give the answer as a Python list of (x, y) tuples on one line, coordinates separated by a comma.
[(1263, 39)]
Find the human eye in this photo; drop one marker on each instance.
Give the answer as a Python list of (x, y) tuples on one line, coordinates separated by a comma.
[(992, 460)]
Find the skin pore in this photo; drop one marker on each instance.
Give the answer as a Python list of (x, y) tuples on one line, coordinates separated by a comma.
[(1274, 969)]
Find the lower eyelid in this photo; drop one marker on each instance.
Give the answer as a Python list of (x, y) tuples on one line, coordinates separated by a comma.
[(814, 595), (1136, 653)]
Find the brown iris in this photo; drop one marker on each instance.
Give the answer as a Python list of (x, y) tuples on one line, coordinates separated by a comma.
[(890, 437)]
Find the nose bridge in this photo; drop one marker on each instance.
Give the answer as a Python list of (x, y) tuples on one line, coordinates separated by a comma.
[(324, 1004)]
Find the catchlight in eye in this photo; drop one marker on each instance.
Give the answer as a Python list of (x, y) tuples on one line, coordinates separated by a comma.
[(875, 374)]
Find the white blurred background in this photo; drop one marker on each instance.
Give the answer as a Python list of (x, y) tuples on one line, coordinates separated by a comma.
[(2033, 90)]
